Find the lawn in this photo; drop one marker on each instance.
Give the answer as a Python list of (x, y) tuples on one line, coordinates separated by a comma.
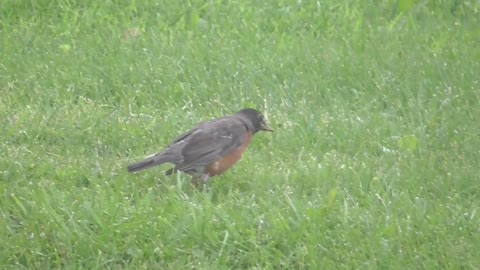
[(373, 163)]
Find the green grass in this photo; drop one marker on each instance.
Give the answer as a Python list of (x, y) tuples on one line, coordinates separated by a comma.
[(373, 165)]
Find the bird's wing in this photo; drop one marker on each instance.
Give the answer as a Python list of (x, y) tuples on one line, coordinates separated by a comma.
[(211, 141)]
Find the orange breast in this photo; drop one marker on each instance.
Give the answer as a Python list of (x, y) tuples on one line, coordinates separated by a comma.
[(221, 165)]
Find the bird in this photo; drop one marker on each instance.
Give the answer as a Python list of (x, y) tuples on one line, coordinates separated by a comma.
[(210, 148)]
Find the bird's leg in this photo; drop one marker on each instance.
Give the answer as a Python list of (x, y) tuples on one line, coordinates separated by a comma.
[(205, 178), (200, 181)]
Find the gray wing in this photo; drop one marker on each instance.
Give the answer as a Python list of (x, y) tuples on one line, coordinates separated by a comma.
[(211, 141)]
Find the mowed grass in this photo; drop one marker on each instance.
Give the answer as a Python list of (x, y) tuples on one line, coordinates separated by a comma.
[(374, 162)]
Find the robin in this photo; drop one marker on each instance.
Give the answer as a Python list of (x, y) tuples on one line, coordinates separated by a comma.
[(210, 148)]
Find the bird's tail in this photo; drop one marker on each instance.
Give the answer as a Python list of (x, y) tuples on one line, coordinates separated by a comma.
[(147, 163)]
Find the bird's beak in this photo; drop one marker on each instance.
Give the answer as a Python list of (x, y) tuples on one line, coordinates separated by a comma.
[(266, 127)]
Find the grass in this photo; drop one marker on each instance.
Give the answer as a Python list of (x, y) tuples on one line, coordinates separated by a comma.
[(373, 165)]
